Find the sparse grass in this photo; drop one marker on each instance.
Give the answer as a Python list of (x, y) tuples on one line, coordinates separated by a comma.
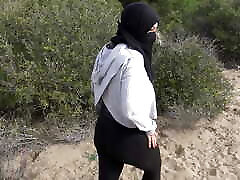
[(17, 138)]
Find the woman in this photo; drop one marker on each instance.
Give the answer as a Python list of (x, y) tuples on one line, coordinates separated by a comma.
[(125, 97)]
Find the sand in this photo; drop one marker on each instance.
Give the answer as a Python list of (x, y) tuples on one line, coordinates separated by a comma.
[(209, 151)]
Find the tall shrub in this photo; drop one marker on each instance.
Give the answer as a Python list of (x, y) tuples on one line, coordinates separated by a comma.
[(50, 47), (219, 20), (188, 73)]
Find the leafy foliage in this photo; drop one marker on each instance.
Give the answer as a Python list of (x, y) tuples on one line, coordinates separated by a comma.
[(188, 73), (219, 20), (47, 50)]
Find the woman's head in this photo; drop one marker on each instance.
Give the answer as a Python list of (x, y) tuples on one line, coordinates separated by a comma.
[(138, 19), (137, 29)]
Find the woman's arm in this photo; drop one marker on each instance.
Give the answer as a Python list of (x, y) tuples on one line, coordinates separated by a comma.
[(138, 96)]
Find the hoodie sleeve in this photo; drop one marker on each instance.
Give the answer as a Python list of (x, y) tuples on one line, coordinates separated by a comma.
[(138, 96)]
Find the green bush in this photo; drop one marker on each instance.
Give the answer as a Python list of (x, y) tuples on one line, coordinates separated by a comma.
[(47, 52), (218, 20), (188, 73), (47, 49)]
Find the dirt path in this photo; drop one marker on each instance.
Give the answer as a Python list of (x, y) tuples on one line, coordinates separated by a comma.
[(211, 151)]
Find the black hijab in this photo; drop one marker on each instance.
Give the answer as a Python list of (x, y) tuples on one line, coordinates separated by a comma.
[(136, 20)]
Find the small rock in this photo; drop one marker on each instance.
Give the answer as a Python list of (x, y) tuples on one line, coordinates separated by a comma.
[(179, 150), (212, 172)]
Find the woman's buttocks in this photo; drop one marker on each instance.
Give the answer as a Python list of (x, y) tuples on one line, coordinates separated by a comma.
[(107, 122), (108, 128)]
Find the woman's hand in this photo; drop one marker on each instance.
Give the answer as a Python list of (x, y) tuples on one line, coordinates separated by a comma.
[(152, 140)]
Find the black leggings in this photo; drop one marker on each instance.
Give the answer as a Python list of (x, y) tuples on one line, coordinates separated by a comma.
[(117, 145)]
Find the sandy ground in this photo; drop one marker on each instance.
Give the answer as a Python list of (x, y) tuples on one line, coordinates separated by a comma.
[(209, 151)]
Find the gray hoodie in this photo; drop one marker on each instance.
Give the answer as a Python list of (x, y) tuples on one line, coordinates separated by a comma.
[(120, 79)]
